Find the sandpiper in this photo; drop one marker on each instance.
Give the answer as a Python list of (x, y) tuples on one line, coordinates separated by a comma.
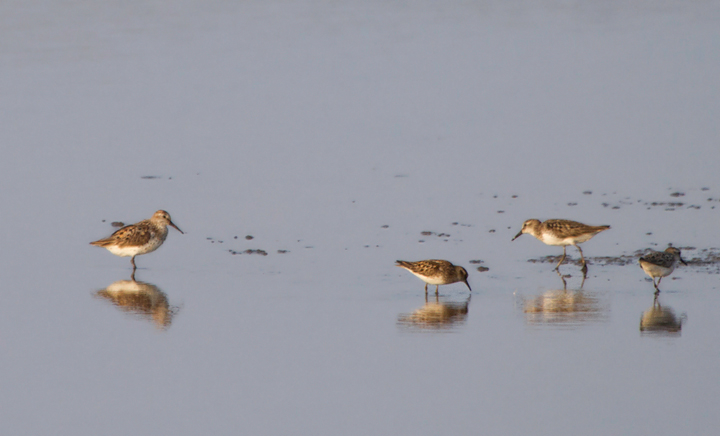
[(436, 272), (140, 238), (660, 264), (561, 232)]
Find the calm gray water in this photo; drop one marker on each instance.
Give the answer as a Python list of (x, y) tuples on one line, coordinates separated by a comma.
[(335, 133)]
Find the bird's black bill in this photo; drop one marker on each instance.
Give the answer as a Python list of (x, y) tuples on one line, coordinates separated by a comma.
[(468, 285), (176, 228), (681, 260), (517, 236)]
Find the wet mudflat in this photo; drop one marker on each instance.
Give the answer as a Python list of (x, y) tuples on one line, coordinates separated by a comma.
[(303, 148)]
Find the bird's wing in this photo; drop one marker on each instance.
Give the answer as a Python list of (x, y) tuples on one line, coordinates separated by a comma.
[(659, 258), (135, 234), (571, 228)]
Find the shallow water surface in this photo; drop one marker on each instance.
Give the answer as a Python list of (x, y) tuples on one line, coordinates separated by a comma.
[(305, 146)]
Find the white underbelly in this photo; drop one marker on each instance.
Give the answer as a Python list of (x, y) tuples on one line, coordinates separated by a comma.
[(655, 270), (553, 240), (133, 250), (431, 280)]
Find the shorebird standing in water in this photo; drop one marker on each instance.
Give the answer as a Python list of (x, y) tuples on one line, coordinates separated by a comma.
[(561, 232), (436, 272), (140, 238), (660, 264)]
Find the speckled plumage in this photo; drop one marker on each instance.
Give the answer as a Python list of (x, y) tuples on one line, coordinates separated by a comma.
[(561, 232), (660, 263), (436, 272), (140, 238)]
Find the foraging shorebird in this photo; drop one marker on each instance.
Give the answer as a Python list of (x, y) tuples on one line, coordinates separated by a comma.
[(561, 232), (660, 264), (140, 238), (436, 272)]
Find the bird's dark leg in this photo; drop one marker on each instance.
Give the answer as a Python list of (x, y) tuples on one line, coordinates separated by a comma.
[(584, 268), (437, 290), (563, 279), (562, 259), (657, 287), (132, 261), (426, 290)]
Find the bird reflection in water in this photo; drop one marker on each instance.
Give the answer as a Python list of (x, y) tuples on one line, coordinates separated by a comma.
[(144, 300), (661, 321), (565, 307), (436, 315)]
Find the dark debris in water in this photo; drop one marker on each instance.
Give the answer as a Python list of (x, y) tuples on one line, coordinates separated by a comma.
[(707, 259), (600, 260), (439, 235), (483, 268), (117, 224), (249, 251), (668, 204), (477, 261)]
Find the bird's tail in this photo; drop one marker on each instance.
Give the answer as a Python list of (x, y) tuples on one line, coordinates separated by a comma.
[(101, 242)]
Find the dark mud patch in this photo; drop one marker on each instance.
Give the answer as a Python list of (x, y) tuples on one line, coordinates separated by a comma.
[(117, 224), (600, 260), (477, 262), (705, 260), (249, 251), (439, 235), (429, 233)]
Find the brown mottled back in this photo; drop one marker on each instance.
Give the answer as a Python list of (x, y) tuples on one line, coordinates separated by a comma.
[(132, 235), (570, 228)]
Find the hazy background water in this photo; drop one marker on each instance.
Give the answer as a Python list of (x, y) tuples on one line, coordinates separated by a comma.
[(311, 125)]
